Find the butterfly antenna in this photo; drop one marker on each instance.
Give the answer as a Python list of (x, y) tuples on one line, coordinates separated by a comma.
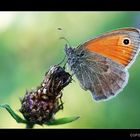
[(64, 38)]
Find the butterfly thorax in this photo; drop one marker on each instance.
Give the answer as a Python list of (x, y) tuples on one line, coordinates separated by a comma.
[(74, 57)]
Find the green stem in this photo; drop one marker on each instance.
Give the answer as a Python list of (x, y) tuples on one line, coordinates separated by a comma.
[(29, 125)]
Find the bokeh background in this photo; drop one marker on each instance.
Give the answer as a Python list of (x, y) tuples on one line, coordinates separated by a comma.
[(29, 45)]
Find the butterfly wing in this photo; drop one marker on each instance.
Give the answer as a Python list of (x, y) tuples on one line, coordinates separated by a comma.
[(103, 77), (120, 45)]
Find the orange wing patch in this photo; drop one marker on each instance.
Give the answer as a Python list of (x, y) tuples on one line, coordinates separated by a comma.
[(118, 47)]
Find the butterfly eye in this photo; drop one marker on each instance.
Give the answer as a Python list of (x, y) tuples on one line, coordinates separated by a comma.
[(82, 54), (126, 41)]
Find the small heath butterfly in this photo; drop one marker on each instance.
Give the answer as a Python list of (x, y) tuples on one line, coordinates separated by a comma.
[(101, 64)]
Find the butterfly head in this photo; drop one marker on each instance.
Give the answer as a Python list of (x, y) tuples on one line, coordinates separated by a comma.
[(73, 57), (69, 50)]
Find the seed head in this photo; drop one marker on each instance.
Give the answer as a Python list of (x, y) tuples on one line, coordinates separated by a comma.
[(40, 105)]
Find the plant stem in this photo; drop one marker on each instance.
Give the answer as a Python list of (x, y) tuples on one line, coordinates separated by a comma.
[(29, 125)]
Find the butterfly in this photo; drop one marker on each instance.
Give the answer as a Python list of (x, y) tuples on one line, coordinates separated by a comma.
[(101, 64)]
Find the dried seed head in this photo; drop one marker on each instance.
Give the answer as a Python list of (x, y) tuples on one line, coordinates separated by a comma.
[(38, 109), (56, 79), (40, 105)]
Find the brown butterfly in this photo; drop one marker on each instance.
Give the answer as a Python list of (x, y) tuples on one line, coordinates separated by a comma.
[(101, 64)]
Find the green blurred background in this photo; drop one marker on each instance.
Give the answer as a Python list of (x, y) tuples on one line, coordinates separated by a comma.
[(29, 45)]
